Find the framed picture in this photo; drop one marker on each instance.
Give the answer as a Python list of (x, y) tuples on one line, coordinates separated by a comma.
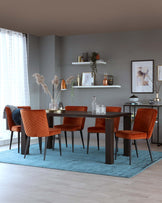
[(87, 79), (160, 73), (142, 75)]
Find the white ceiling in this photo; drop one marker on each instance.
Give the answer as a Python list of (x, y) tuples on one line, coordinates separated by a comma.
[(73, 17)]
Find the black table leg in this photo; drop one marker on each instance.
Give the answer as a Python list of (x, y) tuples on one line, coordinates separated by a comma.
[(109, 141), (127, 126)]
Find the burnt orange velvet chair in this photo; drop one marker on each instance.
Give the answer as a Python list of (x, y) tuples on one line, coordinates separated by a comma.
[(73, 124), (100, 125), (36, 125), (11, 125), (142, 129)]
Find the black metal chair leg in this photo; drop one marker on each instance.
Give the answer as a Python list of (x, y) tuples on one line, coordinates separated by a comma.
[(53, 142), (40, 144), (27, 145), (88, 138), (18, 142), (148, 145), (81, 134), (98, 141), (116, 138), (72, 137), (130, 155), (135, 144), (59, 136), (45, 147), (66, 138), (116, 148), (11, 139)]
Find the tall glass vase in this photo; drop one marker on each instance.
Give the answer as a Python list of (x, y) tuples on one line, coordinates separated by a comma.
[(52, 105)]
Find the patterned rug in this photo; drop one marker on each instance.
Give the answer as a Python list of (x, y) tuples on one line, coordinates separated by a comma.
[(79, 161)]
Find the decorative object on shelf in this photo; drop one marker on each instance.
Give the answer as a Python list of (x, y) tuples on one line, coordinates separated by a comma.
[(88, 79), (110, 79), (79, 58), (85, 57), (105, 80), (142, 76), (78, 80), (133, 98), (93, 58), (56, 90), (63, 85)]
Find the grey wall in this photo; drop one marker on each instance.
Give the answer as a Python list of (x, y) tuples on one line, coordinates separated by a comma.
[(117, 49), (34, 67)]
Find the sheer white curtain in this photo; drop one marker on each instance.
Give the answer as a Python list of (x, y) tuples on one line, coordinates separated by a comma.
[(14, 87)]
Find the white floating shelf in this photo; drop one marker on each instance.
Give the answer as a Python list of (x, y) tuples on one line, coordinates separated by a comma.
[(88, 63), (97, 86)]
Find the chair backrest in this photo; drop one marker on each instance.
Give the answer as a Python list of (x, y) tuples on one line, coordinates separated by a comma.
[(79, 121), (35, 123), (100, 122), (9, 115), (145, 121)]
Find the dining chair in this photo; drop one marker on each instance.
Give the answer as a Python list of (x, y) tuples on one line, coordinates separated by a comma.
[(100, 125), (73, 124), (12, 126), (36, 125), (142, 129)]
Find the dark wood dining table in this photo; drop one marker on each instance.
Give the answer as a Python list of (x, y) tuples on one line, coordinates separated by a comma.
[(109, 129)]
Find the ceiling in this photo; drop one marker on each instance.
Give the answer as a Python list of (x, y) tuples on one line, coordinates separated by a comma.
[(74, 17)]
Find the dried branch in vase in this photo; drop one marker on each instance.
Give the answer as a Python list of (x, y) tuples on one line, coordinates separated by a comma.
[(56, 91), (157, 86)]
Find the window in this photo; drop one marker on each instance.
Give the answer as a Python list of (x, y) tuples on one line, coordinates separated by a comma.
[(14, 87)]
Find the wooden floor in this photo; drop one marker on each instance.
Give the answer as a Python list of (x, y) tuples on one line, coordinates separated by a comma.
[(22, 184)]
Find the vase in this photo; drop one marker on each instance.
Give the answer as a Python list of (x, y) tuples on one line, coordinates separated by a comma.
[(93, 77), (93, 104), (157, 99), (52, 105), (63, 85), (110, 80), (105, 80)]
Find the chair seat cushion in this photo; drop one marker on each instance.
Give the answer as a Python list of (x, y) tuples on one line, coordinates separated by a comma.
[(16, 128), (53, 131), (97, 129), (131, 135), (67, 127)]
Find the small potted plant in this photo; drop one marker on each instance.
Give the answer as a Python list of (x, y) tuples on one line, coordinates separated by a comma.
[(95, 56)]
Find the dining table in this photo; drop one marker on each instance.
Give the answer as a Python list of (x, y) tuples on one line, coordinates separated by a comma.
[(109, 129)]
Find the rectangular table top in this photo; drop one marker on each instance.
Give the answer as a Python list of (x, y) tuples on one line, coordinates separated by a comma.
[(87, 114)]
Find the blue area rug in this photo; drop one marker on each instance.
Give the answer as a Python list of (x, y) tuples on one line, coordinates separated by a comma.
[(79, 161)]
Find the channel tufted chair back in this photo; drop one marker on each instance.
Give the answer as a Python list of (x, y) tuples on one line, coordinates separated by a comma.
[(100, 125), (12, 126), (142, 129), (36, 125), (73, 124)]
